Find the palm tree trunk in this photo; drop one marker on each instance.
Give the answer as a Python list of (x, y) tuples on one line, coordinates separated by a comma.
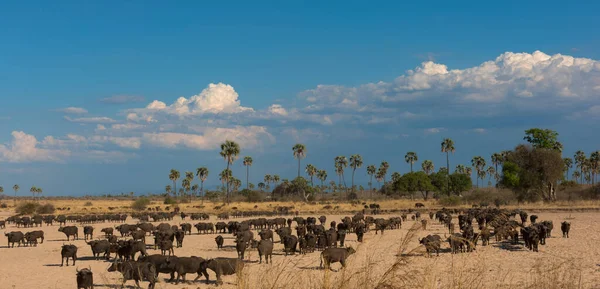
[(477, 180), (448, 172), (411, 167), (354, 170), (175, 186), (311, 181), (247, 173), (227, 181), (298, 166)]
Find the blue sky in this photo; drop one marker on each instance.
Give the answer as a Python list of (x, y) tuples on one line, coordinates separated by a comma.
[(89, 90)]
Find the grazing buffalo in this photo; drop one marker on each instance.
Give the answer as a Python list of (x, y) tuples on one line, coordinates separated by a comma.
[(265, 248), (88, 232), (99, 247), (219, 240), (36, 235), (66, 252), (85, 279), (565, 227), (222, 266), (107, 231), (137, 271), (182, 266), (431, 243), (15, 237), (70, 231), (419, 205), (333, 255)]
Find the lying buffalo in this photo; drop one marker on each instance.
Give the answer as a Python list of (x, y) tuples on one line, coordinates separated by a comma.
[(222, 266), (334, 255)]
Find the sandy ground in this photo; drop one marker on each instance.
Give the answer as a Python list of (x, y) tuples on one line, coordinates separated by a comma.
[(575, 262)]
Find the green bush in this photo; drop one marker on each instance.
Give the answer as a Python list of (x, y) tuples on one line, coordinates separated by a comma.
[(45, 209), (88, 204), (254, 196), (451, 201), (169, 200), (140, 204), (352, 196), (27, 208)]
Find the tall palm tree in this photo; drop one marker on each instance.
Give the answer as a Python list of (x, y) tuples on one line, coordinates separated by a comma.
[(261, 186), (371, 170), (568, 164), (448, 147), (479, 163), (189, 176), (384, 169), (427, 166), (481, 175), (469, 172), (580, 161), (380, 175), (460, 169), (229, 151), (497, 159), (341, 162), (195, 189), (186, 185), (411, 158), (594, 165), (1, 190), (322, 176), (299, 153), (202, 174), (168, 189), (491, 172), (311, 171), (396, 176), (356, 162), (276, 179), (225, 177), (174, 176), (33, 190), (248, 163), (16, 189), (576, 175)]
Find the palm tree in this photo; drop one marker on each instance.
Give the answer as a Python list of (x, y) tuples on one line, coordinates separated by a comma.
[(322, 176), (202, 174), (268, 179), (16, 189), (1, 190), (225, 177), (185, 184), (195, 189), (380, 176), (594, 165), (396, 176), (497, 159), (479, 163), (261, 186), (355, 162), (33, 190), (299, 153), (248, 164), (371, 170), (311, 171), (189, 176), (580, 161), (174, 176), (481, 175), (469, 171), (276, 179), (568, 164), (491, 172), (448, 147), (340, 164), (229, 151), (427, 166), (576, 175), (168, 189), (384, 168), (411, 158), (459, 169)]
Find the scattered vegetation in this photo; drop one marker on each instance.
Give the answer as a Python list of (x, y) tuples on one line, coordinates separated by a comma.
[(88, 204), (140, 204), (29, 208)]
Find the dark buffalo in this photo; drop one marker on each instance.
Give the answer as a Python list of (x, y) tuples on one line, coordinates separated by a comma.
[(333, 255), (432, 243), (565, 227), (240, 247), (15, 237), (266, 234), (66, 252), (289, 243), (99, 247), (107, 231), (222, 266), (88, 232), (179, 235), (136, 271), (186, 227), (85, 279), (265, 248), (70, 231), (166, 246), (219, 240), (138, 235), (182, 266), (37, 235)]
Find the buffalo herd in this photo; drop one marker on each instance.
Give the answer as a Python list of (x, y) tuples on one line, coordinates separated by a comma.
[(296, 235)]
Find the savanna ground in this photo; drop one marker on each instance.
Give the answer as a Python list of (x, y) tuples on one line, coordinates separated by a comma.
[(391, 260)]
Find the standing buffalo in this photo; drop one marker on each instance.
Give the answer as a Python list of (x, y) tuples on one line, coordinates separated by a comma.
[(183, 266), (15, 237), (70, 231), (265, 247), (222, 266), (219, 240), (99, 247), (565, 227), (66, 252), (88, 232), (107, 231), (289, 243), (85, 279), (240, 247), (333, 255), (136, 271), (431, 243)]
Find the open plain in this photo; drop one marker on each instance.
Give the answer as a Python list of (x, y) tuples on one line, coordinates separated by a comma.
[(394, 259)]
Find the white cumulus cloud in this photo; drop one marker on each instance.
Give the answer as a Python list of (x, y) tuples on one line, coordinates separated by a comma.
[(26, 148), (210, 138), (73, 110)]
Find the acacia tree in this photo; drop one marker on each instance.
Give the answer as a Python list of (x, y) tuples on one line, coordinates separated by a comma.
[(229, 151), (411, 158), (355, 162), (299, 153), (247, 164)]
